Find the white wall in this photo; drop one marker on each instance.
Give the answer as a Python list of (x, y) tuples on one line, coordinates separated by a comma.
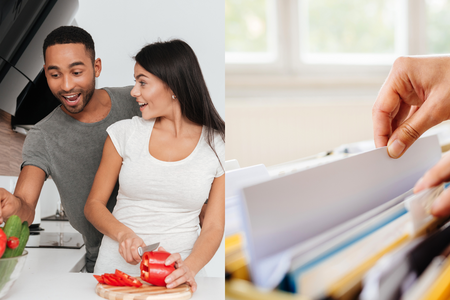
[(121, 28)]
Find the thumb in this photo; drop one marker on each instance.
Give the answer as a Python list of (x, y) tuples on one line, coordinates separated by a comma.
[(410, 130), (441, 206)]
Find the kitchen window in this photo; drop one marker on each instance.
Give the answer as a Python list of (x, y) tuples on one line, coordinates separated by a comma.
[(313, 37), (250, 31)]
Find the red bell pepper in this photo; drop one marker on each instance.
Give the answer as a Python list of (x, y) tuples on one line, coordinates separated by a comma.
[(153, 269), (2, 242)]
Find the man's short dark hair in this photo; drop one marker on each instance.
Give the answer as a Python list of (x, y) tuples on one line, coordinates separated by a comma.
[(70, 35)]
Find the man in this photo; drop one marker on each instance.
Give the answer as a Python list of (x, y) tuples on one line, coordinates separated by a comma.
[(414, 98), (68, 143)]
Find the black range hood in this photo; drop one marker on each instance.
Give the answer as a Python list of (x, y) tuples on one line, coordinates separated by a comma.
[(24, 24)]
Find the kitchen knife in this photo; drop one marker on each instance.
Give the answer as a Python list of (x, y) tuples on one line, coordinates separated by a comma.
[(151, 247)]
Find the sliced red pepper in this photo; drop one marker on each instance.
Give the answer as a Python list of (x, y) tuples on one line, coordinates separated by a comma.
[(118, 278), (153, 269), (112, 280), (99, 278), (129, 280)]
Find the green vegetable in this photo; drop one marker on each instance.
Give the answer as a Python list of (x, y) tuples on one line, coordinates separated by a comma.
[(23, 238), (13, 227)]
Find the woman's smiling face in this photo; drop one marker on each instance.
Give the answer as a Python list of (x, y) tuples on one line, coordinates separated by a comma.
[(152, 94)]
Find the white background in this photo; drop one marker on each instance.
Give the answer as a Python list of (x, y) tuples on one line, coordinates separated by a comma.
[(121, 28)]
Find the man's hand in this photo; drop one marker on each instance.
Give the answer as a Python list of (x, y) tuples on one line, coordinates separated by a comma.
[(9, 205), (414, 98)]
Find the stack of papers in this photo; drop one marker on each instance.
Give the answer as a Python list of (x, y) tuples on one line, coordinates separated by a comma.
[(342, 230)]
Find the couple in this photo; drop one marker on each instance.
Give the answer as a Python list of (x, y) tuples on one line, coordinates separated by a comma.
[(168, 162)]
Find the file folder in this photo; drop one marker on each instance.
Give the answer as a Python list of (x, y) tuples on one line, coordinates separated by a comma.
[(281, 214)]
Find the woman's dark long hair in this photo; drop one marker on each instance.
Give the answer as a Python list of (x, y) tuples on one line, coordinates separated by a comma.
[(175, 63)]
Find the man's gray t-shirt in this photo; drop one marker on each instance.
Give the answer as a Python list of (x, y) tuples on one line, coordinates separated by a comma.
[(70, 152)]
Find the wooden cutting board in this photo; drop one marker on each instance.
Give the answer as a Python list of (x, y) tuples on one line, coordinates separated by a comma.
[(145, 292)]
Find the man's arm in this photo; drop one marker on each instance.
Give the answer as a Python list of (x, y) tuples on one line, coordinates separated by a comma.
[(24, 200)]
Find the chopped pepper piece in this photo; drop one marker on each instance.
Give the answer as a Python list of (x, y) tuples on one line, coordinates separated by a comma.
[(127, 279), (153, 269), (118, 278), (99, 278)]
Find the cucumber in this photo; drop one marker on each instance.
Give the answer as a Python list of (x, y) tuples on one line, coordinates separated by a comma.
[(13, 227), (24, 234)]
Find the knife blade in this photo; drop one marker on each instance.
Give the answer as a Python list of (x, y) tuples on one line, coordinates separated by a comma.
[(142, 250)]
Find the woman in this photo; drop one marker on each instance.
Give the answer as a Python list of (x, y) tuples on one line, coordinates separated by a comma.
[(168, 163)]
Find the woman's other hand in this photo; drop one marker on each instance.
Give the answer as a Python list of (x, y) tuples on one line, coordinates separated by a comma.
[(181, 274), (129, 243)]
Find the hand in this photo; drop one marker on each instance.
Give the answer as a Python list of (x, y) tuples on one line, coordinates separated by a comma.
[(414, 98), (9, 205), (436, 175), (182, 273), (128, 245)]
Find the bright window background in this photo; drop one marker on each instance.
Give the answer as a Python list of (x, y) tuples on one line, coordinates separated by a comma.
[(351, 26), (250, 31), (438, 26), (349, 31), (331, 58)]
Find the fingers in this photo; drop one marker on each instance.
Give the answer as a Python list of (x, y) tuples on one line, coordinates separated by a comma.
[(436, 175), (128, 248), (410, 130), (181, 275), (383, 110), (441, 206), (173, 258), (193, 285), (6, 205), (177, 277)]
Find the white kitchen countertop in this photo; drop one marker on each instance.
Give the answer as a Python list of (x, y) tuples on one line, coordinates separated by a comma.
[(46, 275)]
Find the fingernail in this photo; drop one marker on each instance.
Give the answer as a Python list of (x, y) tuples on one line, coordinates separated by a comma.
[(170, 286), (168, 280), (396, 148), (194, 289), (168, 262)]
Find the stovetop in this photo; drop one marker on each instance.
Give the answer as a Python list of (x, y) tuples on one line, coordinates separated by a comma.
[(55, 218), (69, 240)]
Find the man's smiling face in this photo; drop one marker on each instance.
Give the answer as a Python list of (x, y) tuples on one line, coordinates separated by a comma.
[(71, 74)]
